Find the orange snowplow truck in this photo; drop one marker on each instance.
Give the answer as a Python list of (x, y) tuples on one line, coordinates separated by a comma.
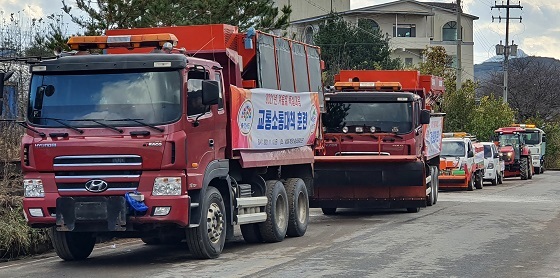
[(173, 133), (381, 143)]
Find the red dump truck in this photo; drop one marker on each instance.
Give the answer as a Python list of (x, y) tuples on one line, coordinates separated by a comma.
[(380, 146), (197, 129)]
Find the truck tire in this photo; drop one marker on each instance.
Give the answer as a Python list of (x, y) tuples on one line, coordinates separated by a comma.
[(72, 246), (412, 210), (328, 211), (470, 185), (537, 170), (437, 185), (251, 233), (298, 203), (277, 215), (430, 198), (479, 182), (207, 240), (495, 179), (523, 168)]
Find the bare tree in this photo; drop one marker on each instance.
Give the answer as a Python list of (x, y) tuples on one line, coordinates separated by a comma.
[(534, 87)]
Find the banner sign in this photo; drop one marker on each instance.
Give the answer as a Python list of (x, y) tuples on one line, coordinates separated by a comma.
[(433, 137), (272, 119)]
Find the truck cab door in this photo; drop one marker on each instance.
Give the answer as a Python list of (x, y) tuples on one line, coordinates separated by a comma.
[(200, 128), (470, 158)]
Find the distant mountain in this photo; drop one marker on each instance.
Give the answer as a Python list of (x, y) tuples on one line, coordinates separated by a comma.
[(494, 64)]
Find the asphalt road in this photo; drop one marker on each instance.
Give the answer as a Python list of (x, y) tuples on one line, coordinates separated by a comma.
[(510, 230)]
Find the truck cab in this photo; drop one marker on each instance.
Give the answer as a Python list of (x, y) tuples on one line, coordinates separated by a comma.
[(462, 162), (536, 142), (493, 163)]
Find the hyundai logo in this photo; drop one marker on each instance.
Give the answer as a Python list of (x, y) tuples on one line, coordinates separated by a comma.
[(96, 186)]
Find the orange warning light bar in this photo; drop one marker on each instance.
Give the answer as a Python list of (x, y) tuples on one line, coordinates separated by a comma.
[(127, 41)]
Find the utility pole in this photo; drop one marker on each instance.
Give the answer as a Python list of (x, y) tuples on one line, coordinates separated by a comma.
[(459, 46), (507, 49)]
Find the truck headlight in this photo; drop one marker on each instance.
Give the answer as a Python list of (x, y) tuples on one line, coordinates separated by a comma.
[(167, 186), (33, 188), (490, 165)]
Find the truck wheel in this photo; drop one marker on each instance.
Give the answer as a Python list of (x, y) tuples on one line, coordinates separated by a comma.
[(470, 185), (479, 182), (537, 170), (207, 240), (501, 178), (412, 210), (276, 224), (436, 191), (251, 233), (524, 168), (72, 246), (298, 204), (329, 211), (430, 199)]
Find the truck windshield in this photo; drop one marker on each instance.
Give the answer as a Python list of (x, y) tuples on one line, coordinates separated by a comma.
[(453, 149), (509, 140), (532, 138), (151, 97), (385, 117)]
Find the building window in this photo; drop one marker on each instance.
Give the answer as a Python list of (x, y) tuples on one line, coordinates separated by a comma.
[(308, 35), (404, 30), (368, 24), (449, 31), (408, 62)]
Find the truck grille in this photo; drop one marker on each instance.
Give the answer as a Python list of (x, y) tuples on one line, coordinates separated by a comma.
[(97, 160), (112, 186), (98, 174)]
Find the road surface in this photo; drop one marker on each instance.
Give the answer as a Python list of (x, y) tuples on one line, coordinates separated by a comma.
[(509, 230)]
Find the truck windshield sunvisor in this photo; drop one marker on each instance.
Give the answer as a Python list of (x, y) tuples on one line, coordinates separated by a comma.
[(87, 99), (386, 116)]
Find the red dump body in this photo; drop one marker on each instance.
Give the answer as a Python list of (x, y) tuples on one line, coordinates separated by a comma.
[(377, 155)]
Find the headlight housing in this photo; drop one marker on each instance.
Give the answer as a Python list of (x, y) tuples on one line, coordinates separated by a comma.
[(167, 186), (33, 188), (490, 165)]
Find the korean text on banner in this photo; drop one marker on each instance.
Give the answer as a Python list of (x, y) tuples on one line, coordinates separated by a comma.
[(433, 137), (272, 119)]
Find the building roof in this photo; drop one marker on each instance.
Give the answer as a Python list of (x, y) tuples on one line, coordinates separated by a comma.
[(449, 7)]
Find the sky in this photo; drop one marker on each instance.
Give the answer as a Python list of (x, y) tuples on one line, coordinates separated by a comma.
[(538, 34)]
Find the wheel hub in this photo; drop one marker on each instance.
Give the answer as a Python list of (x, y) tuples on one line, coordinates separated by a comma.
[(215, 223)]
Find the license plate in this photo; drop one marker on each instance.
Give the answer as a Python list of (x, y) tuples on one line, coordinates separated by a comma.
[(91, 211)]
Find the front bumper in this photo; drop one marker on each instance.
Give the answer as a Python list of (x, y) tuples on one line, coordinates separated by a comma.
[(453, 182), (102, 211)]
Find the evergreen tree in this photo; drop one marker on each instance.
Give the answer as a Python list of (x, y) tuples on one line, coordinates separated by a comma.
[(346, 46), (117, 14)]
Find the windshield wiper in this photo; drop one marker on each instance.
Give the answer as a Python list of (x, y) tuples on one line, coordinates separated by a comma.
[(97, 121), (24, 124), (139, 121), (61, 121)]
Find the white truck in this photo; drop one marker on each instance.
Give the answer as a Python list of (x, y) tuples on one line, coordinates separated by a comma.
[(493, 164), (462, 162)]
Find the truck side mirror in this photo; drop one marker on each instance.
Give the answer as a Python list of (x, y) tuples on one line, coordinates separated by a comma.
[(424, 117), (496, 155), (470, 154), (210, 92)]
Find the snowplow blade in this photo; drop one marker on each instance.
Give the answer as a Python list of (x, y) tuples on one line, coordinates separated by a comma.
[(369, 182)]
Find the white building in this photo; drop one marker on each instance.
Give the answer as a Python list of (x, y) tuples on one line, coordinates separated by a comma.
[(418, 25)]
